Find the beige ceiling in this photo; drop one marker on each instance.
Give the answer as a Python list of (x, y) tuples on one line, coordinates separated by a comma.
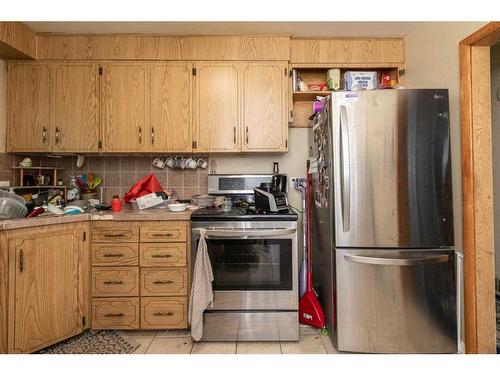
[(297, 29)]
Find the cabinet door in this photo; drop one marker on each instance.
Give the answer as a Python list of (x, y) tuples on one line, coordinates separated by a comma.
[(28, 107), (123, 103), (171, 108), (45, 289), (217, 107), (76, 107), (265, 121)]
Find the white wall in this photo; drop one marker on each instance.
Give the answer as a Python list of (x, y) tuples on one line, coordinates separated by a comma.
[(292, 163), (432, 61), (3, 104), (495, 124)]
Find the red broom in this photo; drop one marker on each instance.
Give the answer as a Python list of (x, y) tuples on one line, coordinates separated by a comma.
[(310, 311)]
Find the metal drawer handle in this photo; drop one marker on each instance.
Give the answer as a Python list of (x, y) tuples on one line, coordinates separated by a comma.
[(431, 259), (161, 256), (162, 234), (44, 134), (162, 282), (113, 282), (159, 313), (57, 135), (114, 235), (110, 255), (21, 260), (111, 315)]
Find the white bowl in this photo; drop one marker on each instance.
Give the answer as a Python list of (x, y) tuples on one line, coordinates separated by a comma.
[(177, 207)]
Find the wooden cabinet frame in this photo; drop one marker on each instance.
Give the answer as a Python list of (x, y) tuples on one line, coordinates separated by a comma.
[(477, 189)]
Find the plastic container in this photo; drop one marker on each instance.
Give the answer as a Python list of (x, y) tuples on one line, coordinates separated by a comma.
[(8, 194), (12, 209), (116, 204)]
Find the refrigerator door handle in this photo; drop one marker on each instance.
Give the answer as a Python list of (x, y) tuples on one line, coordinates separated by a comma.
[(431, 259), (345, 176)]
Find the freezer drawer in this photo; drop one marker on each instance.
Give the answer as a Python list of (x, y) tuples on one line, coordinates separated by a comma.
[(396, 301)]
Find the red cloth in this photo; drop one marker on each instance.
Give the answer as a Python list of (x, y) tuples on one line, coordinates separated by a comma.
[(146, 185)]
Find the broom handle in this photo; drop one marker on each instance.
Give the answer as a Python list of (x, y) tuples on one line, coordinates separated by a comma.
[(309, 265)]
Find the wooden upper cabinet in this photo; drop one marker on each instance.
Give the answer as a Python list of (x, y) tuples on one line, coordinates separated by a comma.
[(217, 112), (345, 51), (45, 303), (76, 107), (28, 108), (265, 108), (124, 107), (170, 97)]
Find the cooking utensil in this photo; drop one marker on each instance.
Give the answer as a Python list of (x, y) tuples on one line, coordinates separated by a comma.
[(96, 183)]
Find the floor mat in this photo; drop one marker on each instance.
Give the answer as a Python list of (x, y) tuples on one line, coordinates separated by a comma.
[(93, 342)]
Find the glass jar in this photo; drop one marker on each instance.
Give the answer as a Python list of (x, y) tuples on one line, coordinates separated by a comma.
[(227, 204)]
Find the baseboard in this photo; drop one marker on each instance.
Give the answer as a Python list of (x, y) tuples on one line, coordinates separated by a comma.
[(497, 287)]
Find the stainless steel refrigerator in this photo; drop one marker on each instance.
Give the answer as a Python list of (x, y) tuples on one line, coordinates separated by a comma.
[(382, 221)]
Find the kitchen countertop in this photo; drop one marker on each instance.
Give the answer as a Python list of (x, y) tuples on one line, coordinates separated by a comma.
[(126, 214)]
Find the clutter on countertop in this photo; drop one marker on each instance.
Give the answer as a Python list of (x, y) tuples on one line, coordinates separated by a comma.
[(146, 185)]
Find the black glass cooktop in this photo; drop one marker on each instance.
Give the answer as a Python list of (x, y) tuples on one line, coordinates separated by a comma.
[(241, 214)]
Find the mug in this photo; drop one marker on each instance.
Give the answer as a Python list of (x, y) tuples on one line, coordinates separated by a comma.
[(178, 162), (202, 163), (26, 163), (158, 163), (41, 179), (170, 162), (191, 163)]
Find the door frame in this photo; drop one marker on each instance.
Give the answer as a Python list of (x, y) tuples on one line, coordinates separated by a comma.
[(477, 189)]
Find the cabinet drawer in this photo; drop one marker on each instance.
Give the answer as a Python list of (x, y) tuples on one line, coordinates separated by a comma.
[(175, 232), (163, 254), (163, 313), (116, 234), (109, 254), (163, 282), (115, 282), (115, 313)]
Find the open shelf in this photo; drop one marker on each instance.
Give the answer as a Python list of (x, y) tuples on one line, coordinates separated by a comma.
[(39, 168), (38, 187), (308, 95), (302, 102)]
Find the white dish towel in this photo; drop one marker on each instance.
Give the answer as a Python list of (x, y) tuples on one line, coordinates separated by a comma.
[(201, 289)]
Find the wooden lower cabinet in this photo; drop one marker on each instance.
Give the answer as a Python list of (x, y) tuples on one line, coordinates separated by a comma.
[(47, 286), (140, 275), (163, 312), (115, 313)]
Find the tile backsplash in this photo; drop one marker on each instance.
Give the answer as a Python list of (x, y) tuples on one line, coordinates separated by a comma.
[(119, 172)]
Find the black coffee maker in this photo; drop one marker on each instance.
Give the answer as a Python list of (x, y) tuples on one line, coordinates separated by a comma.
[(278, 181)]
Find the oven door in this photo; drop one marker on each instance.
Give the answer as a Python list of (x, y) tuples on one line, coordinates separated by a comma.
[(254, 264)]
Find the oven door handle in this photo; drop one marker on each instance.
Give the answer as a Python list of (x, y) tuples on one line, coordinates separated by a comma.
[(244, 234)]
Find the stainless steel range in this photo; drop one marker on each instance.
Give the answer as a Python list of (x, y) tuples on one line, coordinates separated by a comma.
[(254, 261)]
